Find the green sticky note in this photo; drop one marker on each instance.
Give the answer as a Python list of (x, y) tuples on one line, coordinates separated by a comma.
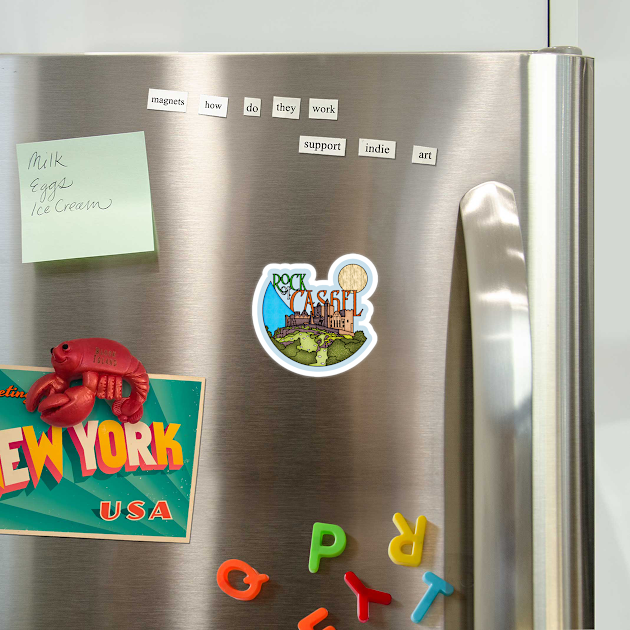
[(85, 197)]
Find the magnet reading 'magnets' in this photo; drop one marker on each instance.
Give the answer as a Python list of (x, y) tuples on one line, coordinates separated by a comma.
[(102, 364)]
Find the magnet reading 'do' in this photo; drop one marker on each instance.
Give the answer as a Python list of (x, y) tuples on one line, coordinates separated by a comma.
[(316, 327)]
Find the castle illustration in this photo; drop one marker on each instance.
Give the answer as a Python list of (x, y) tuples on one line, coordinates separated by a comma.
[(322, 317)]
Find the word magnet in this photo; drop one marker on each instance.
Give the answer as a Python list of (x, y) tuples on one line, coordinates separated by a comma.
[(424, 155), (317, 145), (213, 105), (251, 106), (407, 537), (377, 148), (167, 100), (323, 108), (285, 107), (252, 577), (319, 550)]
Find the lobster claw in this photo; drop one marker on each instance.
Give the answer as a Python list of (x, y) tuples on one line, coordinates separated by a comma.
[(43, 386), (68, 408), (127, 410)]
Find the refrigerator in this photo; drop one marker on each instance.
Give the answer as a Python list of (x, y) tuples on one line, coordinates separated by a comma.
[(469, 398)]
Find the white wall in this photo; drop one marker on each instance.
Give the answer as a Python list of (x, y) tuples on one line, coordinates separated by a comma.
[(252, 25), (603, 28)]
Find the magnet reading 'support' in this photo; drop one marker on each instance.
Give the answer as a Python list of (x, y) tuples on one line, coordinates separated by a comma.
[(102, 364)]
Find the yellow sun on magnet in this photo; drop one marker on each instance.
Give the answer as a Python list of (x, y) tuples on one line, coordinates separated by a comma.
[(353, 278)]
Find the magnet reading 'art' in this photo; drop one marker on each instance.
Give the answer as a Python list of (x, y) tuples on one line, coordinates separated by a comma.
[(102, 364), (316, 327)]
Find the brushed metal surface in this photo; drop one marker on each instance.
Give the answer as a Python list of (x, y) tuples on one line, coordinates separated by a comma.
[(278, 450), (502, 372), (559, 253)]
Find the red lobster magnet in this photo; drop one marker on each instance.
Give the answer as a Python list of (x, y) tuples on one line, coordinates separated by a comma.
[(102, 364)]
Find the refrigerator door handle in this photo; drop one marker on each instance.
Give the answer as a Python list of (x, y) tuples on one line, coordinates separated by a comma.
[(502, 375)]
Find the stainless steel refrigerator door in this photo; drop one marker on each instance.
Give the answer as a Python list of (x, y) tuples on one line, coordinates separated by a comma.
[(280, 451)]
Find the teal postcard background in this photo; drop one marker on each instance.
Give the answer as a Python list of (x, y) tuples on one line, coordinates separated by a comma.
[(72, 505)]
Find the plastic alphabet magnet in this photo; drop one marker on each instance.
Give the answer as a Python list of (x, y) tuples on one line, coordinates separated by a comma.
[(436, 586), (252, 577), (308, 623), (407, 537), (319, 551), (365, 596)]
